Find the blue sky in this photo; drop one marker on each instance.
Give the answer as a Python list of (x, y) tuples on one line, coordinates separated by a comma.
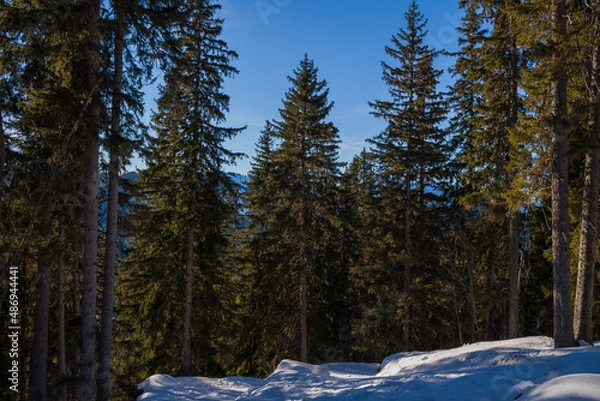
[(345, 38)]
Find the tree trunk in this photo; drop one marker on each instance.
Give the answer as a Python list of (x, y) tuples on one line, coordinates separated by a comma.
[(62, 349), (513, 219), (39, 363), (77, 313), (584, 297), (407, 261), (108, 289), (458, 332), (304, 269), (90, 251), (513, 276), (563, 320), (186, 359), (304, 257), (473, 325)]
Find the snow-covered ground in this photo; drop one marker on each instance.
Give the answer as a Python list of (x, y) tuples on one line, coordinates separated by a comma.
[(527, 369)]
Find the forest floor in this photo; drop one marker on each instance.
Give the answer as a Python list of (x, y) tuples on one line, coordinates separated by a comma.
[(527, 369)]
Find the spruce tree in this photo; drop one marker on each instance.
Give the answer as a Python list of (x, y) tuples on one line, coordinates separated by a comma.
[(90, 250), (184, 190), (308, 161), (412, 151), (563, 321), (374, 284), (547, 34), (465, 98), (264, 340), (42, 104), (488, 106), (127, 42), (303, 174), (584, 294)]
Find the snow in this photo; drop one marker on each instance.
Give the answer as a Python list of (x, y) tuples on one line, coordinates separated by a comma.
[(527, 369), (578, 387)]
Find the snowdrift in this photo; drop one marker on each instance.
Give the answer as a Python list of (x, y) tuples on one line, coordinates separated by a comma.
[(527, 369)]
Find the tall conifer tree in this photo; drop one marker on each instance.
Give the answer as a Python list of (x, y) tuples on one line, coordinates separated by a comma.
[(184, 188), (412, 151), (488, 108), (303, 175), (128, 38), (584, 294), (41, 101), (310, 171)]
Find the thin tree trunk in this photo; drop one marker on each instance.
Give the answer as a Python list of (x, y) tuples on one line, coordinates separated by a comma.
[(90, 252), (584, 295), (186, 359), (77, 313), (304, 259), (62, 349), (108, 289), (473, 325), (563, 320), (513, 219), (458, 332), (407, 262), (304, 269), (39, 363), (513, 276)]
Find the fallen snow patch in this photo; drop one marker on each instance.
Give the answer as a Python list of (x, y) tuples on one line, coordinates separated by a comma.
[(527, 369), (577, 387)]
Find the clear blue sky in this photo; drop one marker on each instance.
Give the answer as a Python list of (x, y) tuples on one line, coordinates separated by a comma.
[(345, 38)]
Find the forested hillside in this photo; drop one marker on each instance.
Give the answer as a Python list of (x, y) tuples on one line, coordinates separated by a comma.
[(471, 216)]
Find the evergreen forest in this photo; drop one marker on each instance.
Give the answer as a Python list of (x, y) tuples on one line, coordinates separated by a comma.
[(472, 216)]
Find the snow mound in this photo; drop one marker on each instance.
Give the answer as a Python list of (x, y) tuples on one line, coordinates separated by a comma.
[(467, 357), (527, 369), (164, 387), (577, 387)]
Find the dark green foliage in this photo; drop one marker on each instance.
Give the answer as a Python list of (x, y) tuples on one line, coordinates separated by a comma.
[(183, 193), (293, 241), (439, 234), (411, 158)]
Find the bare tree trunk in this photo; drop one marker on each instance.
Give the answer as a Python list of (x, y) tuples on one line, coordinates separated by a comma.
[(513, 276), (584, 295), (304, 261), (513, 218), (90, 251), (458, 332), (563, 319), (304, 269), (108, 289), (186, 359), (407, 262), (39, 363), (473, 325), (77, 312), (62, 349)]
